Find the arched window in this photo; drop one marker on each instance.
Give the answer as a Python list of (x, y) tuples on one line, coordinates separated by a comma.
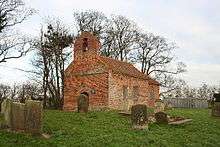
[(85, 44)]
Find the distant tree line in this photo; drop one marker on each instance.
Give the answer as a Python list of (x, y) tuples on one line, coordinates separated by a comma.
[(183, 90)]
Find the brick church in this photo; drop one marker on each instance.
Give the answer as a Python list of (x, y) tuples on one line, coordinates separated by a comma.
[(106, 82)]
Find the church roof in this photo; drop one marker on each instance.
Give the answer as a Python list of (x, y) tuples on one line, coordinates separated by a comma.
[(126, 68)]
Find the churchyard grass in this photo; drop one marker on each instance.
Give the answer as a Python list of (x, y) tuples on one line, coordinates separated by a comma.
[(111, 129)]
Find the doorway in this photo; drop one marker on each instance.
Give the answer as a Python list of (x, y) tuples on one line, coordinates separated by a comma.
[(83, 102)]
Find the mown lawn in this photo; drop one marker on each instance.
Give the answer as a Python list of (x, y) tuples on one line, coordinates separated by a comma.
[(110, 129)]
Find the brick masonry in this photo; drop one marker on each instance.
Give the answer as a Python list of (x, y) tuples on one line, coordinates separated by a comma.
[(102, 81)]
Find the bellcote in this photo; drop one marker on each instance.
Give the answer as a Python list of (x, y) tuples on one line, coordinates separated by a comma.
[(86, 45)]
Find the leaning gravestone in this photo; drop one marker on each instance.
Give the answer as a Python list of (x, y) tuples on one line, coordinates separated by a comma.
[(17, 116), (139, 116), (33, 120), (161, 117), (83, 103)]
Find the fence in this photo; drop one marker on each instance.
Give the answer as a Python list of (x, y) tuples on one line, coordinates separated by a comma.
[(186, 103)]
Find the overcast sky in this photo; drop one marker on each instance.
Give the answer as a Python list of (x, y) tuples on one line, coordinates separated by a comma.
[(193, 24)]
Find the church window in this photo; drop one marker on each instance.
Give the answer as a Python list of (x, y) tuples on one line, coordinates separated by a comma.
[(85, 44)]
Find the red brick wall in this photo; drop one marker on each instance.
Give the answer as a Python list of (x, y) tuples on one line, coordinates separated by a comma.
[(116, 83), (86, 74), (92, 50), (96, 85)]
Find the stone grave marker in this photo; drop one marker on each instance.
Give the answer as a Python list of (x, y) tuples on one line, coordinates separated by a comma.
[(6, 111), (34, 112), (159, 106), (216, 109), (161, 117), (17, 116), (139, 116), (216, 105)]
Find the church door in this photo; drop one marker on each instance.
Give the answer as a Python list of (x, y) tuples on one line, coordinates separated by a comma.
[(83, 102)]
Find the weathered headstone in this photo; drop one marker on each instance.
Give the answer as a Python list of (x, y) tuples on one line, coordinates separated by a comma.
[(33, 121), (2, 121), (161, 117), (216, 105), (216, 109), (83, 103), (6, 110), (159, 106), (139, 116), (17, 116), (128, 103)]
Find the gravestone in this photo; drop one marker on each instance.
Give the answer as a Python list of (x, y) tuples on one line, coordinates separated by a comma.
[(159, 106), (161, 117), (139, 116), (26, 117), (17, 116), (2, 121), (216, 105), (83, 103), (128, 103), (6, 110), (216, 109), (33, 120)]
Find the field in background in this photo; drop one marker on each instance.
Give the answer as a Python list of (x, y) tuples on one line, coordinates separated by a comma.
[(112, 129)]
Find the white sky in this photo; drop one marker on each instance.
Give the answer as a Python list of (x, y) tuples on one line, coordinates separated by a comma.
[(192, 24)]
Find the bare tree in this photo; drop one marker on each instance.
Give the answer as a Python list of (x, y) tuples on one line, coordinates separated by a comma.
[(171, 87), (117, 33), (124, 34), (91, 21), (29, 90), (12, 45), (50, 61), (156, 57), (13, 12), (155, 54)]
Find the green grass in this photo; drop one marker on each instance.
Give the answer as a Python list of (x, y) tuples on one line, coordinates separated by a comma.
[(110, 129)]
